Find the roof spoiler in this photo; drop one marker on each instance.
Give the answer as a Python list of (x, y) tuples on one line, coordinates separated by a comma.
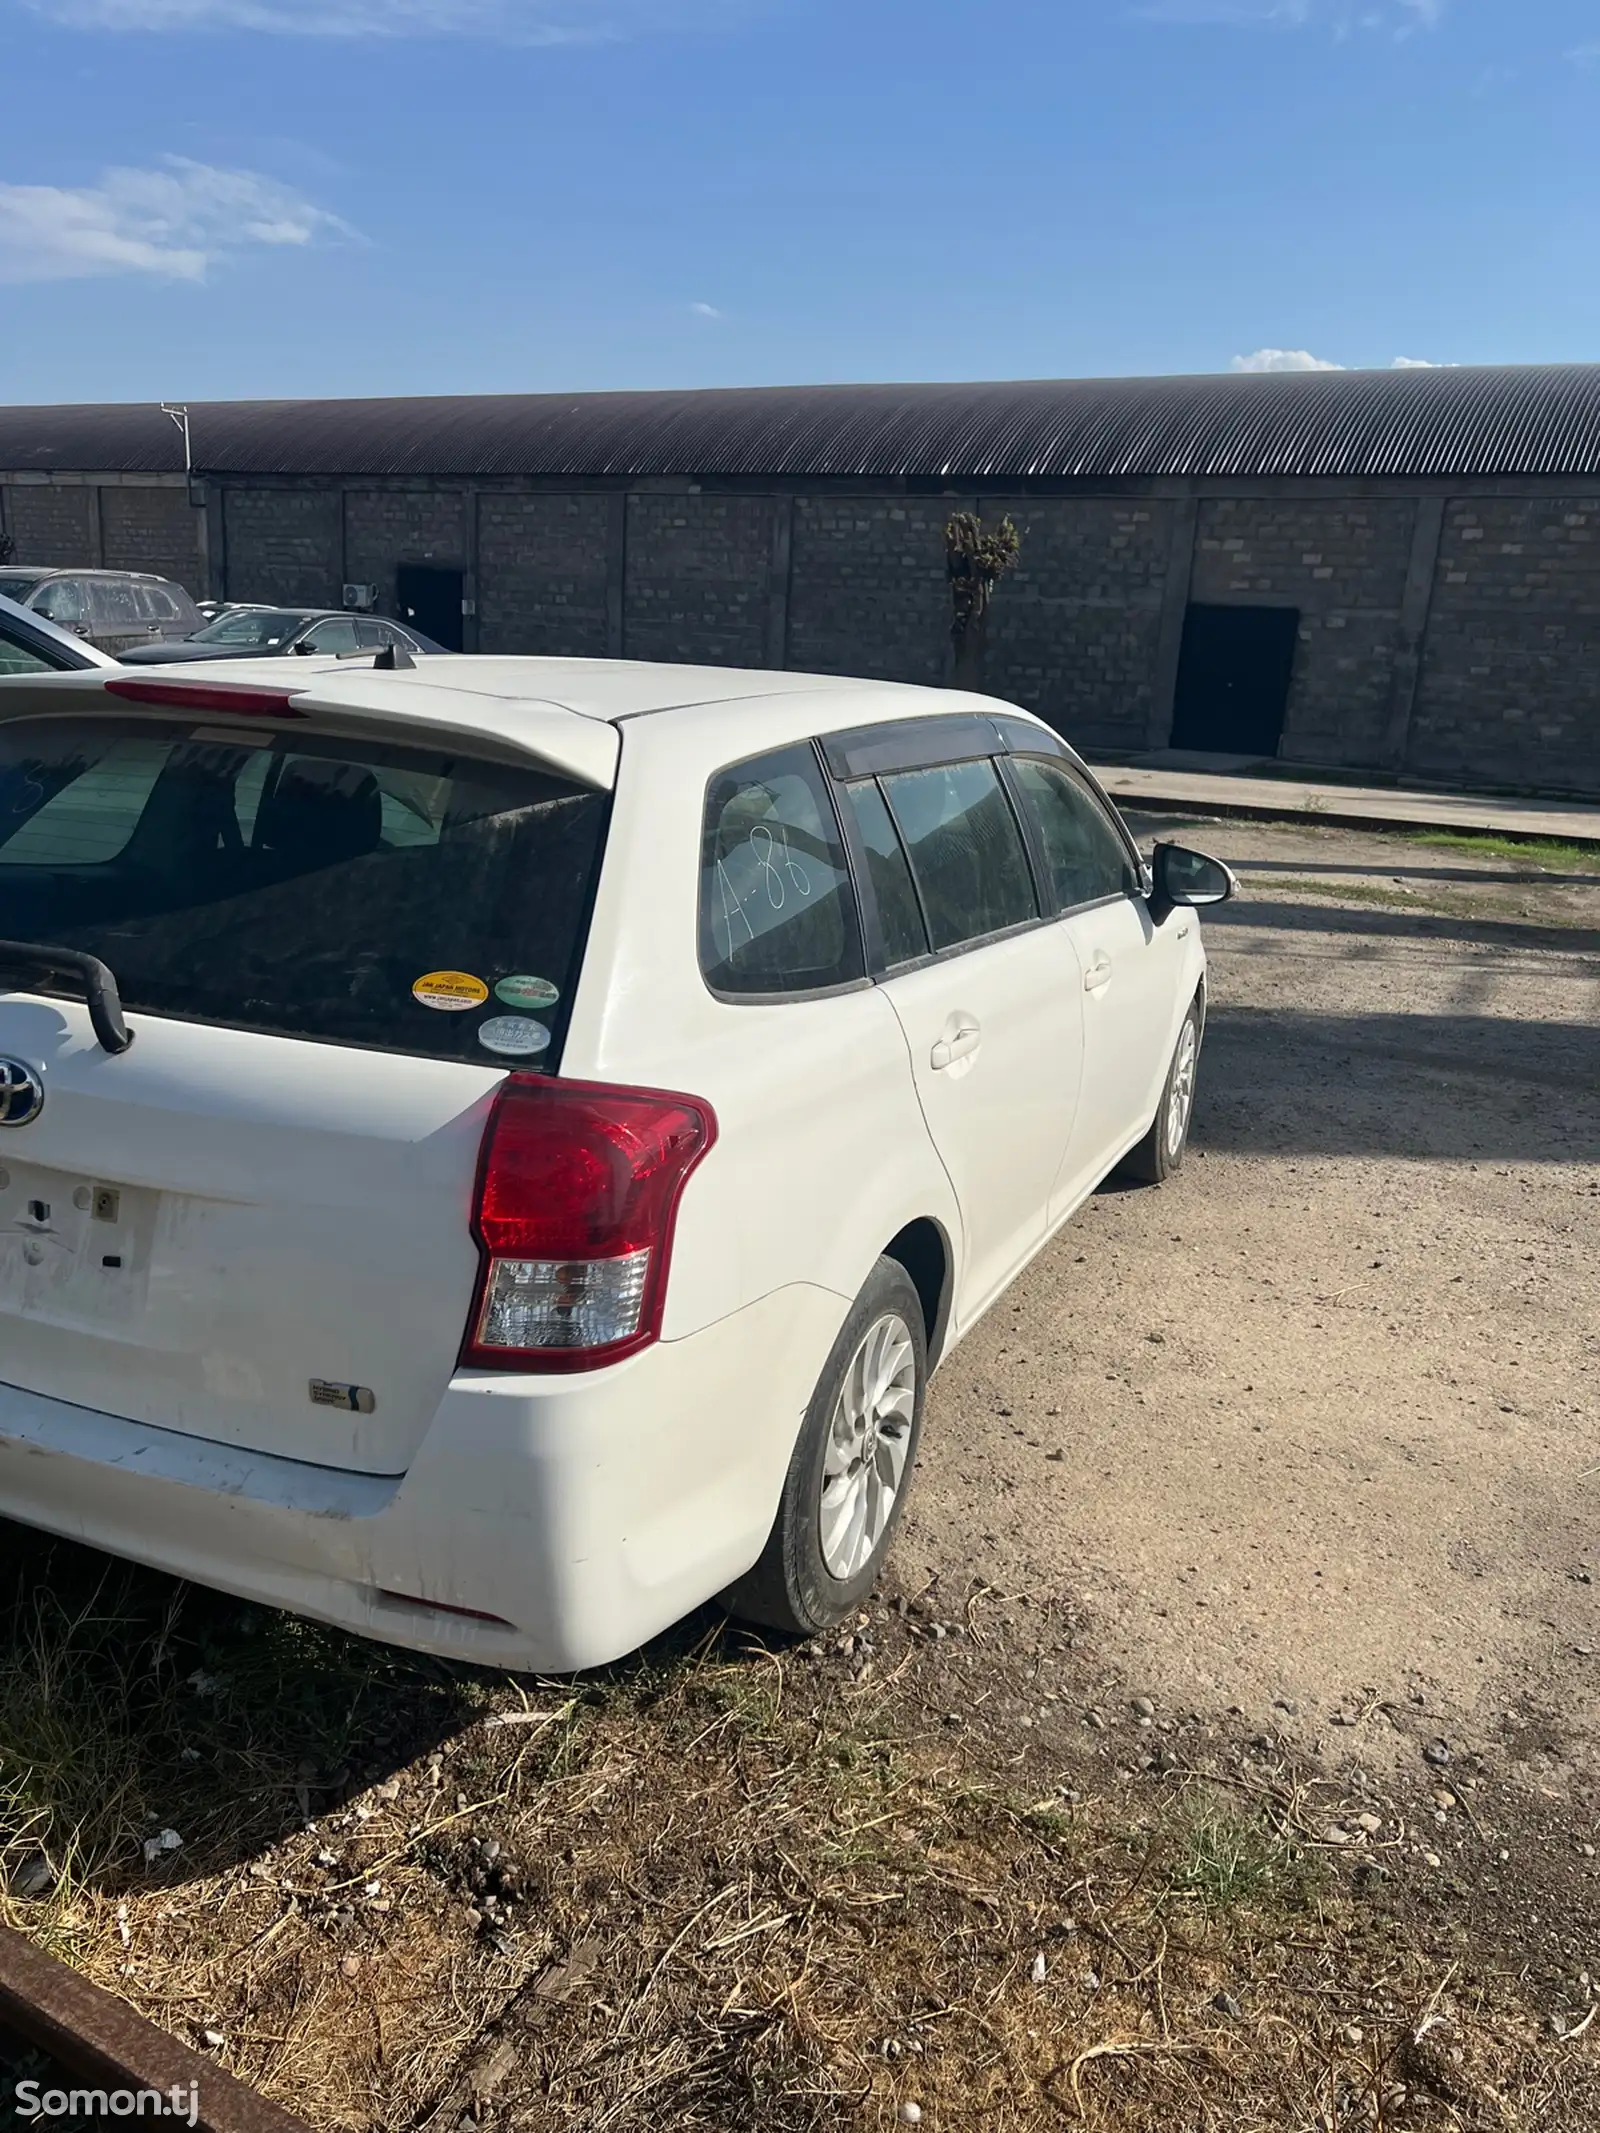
[(404, 706)]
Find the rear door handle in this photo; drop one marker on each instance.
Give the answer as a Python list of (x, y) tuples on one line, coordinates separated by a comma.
[(1098, 975), (958, 1045)]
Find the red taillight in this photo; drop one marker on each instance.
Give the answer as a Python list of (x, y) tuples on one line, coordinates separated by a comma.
[(243, 701), (578, 1190)]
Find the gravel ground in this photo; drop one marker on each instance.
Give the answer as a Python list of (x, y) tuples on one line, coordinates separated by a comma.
[(1222, 1748), (1315, 1430)]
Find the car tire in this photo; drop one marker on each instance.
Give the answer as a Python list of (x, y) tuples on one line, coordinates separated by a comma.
[(857, 1443), (1160, 1153)]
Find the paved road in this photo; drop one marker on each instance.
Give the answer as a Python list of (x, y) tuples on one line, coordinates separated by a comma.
[(1327, 1408)]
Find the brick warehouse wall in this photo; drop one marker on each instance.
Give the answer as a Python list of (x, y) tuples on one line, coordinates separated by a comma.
[(120, 526), (1343, 564), (1511, 665), (1467, 652), (1075, 632), (153, 529), (542, 563), (283, 546), (698, 578), (384, 528), (51, 525), (867, 592)]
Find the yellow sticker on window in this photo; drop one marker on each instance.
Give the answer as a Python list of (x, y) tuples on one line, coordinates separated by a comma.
[(451, 991)]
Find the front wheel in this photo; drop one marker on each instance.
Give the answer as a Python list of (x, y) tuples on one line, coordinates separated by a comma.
[(846, 1486), (1160, 1153)]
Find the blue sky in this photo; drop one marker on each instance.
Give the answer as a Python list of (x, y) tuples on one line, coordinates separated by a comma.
[(217, 198)]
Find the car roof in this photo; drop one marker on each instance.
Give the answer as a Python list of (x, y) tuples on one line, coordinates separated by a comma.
[(37, 572), (568, 713)]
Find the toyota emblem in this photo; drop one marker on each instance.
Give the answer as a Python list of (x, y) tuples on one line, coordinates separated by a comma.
[(21, 1093)]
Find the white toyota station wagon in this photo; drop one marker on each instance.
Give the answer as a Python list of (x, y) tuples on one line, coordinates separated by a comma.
[(491, 1153)]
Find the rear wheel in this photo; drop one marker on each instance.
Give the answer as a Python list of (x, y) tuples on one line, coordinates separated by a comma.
[(846, 1486), (1160, 1153)]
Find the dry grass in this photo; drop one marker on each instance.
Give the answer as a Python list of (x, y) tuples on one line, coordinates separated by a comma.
[(734, 1888)]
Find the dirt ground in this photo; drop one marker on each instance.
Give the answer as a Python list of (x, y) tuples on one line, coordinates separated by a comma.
[(1221, 1752), (1316, 1427)]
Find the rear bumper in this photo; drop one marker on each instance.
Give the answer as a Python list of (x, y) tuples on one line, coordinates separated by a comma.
[(583, 1514)]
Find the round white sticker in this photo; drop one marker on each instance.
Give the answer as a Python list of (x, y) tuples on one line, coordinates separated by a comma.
[(513, 1035)]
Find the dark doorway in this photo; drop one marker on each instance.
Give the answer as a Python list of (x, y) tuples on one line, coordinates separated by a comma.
[(430, 600), (1233, 679)]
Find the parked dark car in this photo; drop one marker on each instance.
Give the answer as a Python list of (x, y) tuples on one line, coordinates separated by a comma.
[(265, 632), (31, 645), (114, 610)]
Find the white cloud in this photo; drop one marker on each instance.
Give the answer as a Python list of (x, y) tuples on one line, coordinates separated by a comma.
[(1282, 359), (1396, 18), (174, 222), (537, 22), (705, 311), (1270, 359)]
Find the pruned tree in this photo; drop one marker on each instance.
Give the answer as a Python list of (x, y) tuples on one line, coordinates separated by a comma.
[(976, 558)]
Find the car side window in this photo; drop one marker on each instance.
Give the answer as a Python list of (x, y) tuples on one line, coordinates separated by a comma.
[(1086, 857), (899, 914), (17, 659), (965, 848), (339, 636), (776, 910), (62, 601), (116, 605), (159, 605)]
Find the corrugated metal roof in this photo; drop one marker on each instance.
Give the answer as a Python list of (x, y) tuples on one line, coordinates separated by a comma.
[(1349, 423)]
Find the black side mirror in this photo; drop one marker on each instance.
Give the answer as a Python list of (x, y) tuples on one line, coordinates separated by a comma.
[(1185, 877)]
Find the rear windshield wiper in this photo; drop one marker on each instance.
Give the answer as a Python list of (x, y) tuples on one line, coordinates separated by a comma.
[(99, 986)]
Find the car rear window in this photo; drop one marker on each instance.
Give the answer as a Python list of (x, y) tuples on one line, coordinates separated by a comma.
[(158, 605), (776, 912), (19, 659), (357, 893)]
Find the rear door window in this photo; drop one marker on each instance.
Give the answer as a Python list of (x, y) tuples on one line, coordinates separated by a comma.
[(899, 914), (776, 911), (335, 636), (965, 848), (304, 887), (115, 607)]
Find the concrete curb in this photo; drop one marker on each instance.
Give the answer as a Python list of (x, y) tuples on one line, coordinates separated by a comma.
[(1336, 818)]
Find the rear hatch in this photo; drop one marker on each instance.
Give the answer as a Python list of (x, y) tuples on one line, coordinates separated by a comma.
[(332, 937)]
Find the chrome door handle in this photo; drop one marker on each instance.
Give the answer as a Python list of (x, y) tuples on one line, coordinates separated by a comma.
[(1098, 975), (960, 1044)]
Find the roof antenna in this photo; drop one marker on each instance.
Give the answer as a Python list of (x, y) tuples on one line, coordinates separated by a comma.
[(393, 659)]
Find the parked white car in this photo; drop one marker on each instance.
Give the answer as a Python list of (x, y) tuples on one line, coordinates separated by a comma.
[(490, 1154)]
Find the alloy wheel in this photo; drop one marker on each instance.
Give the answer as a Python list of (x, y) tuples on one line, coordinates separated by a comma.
[(870, 1434), (1180, 1096)]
